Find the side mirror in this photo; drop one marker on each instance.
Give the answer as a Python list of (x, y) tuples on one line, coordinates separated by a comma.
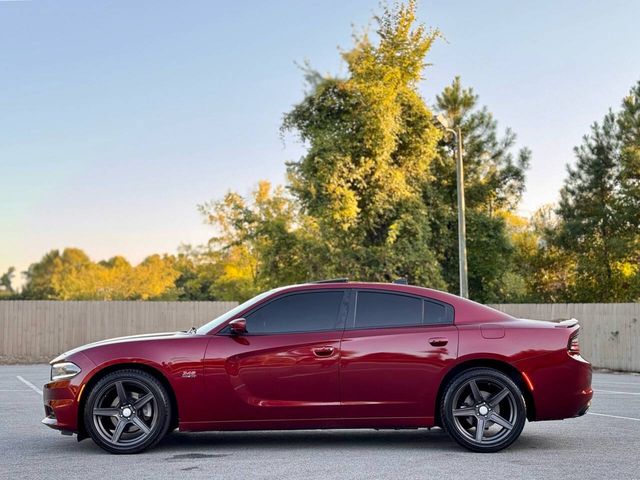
[(238, 326)]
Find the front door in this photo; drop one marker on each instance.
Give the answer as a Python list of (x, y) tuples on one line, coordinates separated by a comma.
[(394, 351), (286, 367)]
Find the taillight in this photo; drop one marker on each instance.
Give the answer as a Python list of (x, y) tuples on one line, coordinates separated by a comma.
[(574, 345)]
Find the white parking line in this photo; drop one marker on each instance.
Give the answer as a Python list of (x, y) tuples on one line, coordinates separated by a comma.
[(595, 382), (613, 416), (614, 392), (29, 384)]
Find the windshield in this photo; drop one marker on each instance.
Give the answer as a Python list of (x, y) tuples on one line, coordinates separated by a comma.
[(207, 327)]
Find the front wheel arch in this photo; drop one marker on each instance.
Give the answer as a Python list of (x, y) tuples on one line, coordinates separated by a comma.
[(157, 374), (501, 366)]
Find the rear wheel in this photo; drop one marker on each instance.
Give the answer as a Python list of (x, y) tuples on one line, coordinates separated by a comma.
[(127, 411), (483, 410)]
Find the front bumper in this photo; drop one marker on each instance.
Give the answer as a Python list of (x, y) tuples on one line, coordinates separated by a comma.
[(62, 398)]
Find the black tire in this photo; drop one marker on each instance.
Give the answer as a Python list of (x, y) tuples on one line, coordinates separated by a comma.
[(132, 425), (495, 404)]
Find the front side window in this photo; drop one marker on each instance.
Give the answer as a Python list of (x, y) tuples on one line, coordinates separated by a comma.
[(216, 322), (298, 312)]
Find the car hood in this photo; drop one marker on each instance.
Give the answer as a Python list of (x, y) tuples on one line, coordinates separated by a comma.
[(111, 341)]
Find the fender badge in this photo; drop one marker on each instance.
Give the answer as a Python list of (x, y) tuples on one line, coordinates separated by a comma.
[(189, 374)]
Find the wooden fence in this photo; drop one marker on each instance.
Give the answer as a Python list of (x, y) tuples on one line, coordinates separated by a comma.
[(35, 331), (609, 332)]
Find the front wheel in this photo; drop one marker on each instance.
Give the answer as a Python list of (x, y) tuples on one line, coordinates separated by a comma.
[(483, 410), (127, 411)]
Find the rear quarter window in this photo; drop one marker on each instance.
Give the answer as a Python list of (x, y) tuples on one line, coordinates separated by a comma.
[(436, 313)]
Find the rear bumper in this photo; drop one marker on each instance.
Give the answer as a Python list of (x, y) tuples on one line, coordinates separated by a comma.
[(561, 385)]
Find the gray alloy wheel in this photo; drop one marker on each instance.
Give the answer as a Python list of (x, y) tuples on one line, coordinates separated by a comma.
[(127, 411), (483, 410)]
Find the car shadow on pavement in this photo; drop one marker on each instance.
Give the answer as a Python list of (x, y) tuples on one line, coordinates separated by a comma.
[(181, 446), (434, 440)]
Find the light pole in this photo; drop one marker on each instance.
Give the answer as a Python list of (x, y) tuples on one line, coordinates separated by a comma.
[(447, 123)]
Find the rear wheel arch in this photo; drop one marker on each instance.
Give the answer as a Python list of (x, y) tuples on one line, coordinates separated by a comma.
[(499, 365), (156, 373)]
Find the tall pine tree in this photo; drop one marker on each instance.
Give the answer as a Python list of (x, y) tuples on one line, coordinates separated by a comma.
[(599, 208), (494, 176)]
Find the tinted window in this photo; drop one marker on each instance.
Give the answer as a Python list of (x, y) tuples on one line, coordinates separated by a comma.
[(435, 313), (376, 309), (300, 312)]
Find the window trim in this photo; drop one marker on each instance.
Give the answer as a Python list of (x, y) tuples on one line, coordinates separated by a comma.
[(343, 313), (353, 310)]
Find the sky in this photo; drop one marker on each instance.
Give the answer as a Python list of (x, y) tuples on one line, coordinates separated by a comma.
[(118, 118)]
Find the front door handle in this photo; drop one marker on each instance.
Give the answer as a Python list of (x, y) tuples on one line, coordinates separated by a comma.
[(438, 341), (323, 351)]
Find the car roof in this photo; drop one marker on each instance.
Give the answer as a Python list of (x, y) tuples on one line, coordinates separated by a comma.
[(392, 287)]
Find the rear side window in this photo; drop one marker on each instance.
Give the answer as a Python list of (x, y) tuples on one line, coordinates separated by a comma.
[(377, 309), (437, 313), (298, 312), (382, 309)]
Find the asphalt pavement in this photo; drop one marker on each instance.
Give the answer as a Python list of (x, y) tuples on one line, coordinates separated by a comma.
[(604, 444)]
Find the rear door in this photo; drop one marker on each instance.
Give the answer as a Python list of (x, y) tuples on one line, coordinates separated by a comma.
[(286, 367), (394, 350)]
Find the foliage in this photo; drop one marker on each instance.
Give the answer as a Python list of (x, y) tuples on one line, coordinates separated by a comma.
[(374, 198), (370, 139), (38, 278), (73, 276), (494, 181), (6, 284), (587, 248), (599, 208), (494, 175), (547, 270), (197, 275), (260, 243)]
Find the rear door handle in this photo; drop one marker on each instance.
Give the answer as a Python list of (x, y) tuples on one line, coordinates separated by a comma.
[(438, 341), (323, 351)]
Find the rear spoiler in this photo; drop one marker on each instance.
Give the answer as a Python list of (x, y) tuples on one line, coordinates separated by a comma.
[(572, 322)]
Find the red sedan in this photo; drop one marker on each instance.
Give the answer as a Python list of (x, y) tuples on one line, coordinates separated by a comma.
[(331, 354)]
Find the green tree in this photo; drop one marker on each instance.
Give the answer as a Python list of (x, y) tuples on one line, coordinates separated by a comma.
[(197, 274), (261, 242), (599, 208), (370, 139), (547, 270), (6, 284), (73, 276), (494, 177), (38, 276), (6, 280), (629, 127)]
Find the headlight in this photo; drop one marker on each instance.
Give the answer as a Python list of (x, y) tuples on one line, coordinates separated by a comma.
[(63, 370)]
